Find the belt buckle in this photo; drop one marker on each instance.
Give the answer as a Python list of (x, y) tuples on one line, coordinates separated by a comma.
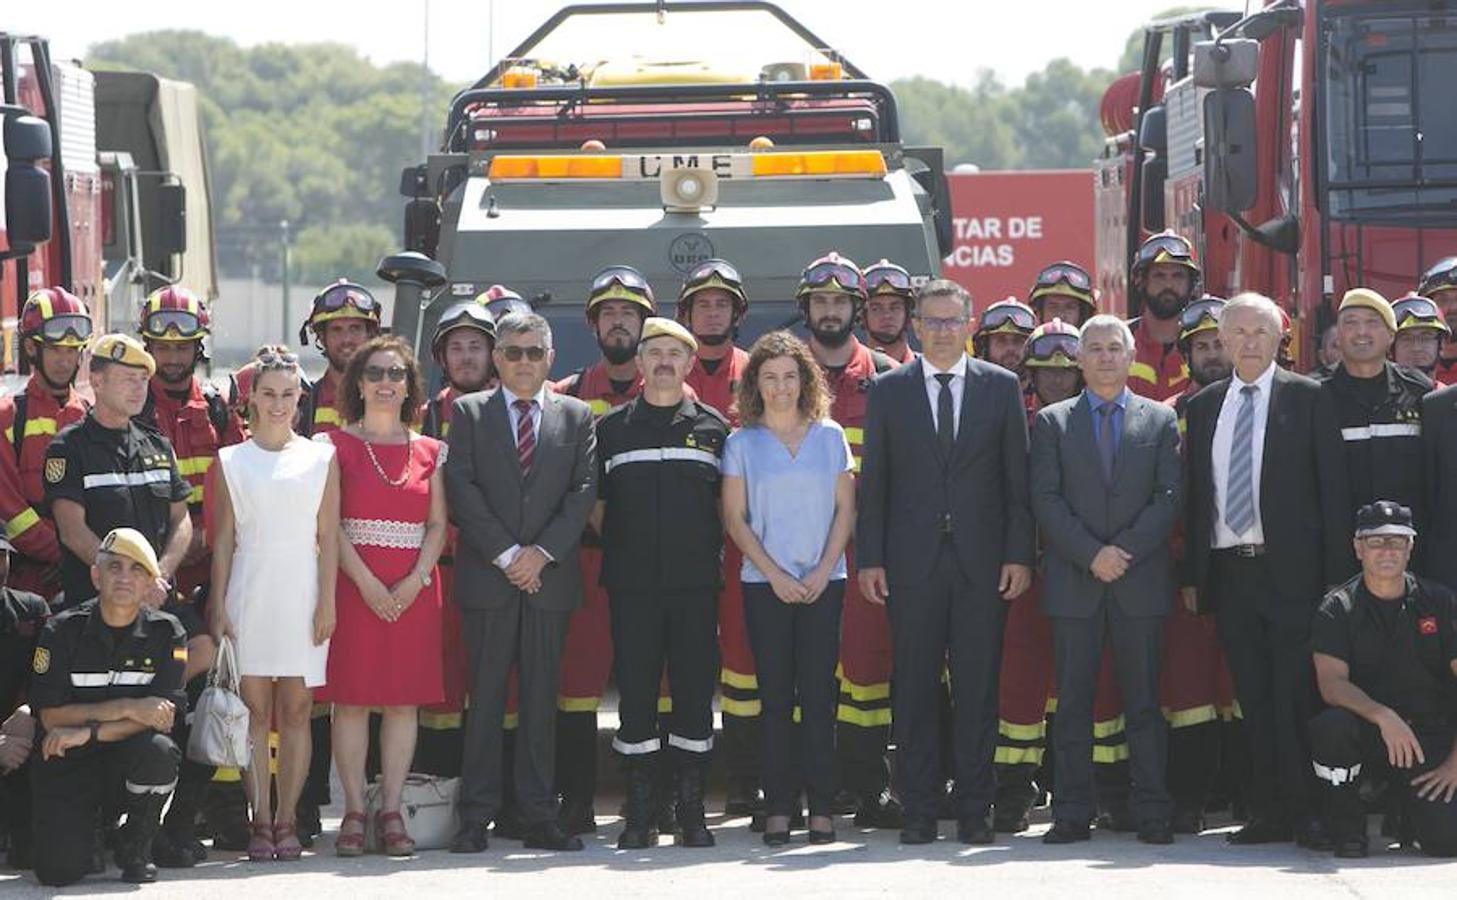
[(1249, 551)]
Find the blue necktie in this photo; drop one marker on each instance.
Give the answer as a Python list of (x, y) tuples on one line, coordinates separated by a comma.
[(1239, 490), (1107, 440)]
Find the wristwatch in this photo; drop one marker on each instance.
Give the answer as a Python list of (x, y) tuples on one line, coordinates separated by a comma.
[(95, 727), (424, 576)]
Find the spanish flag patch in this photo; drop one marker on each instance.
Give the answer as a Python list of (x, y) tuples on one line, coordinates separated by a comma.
[(179, 654)]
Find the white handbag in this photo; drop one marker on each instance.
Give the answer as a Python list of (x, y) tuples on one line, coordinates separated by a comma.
[(220, 719), (427, 805)]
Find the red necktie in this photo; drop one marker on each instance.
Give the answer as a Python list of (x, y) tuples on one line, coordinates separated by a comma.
[(525, 434)]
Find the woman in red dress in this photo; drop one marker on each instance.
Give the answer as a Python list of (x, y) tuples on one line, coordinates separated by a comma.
[(386, 651)]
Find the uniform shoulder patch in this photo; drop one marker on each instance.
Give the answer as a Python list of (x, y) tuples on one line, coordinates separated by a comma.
[(42, 662), (55, 469)]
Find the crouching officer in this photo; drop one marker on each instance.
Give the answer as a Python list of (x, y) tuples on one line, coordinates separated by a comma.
[(661, 536), (106, 685), (1385, 647)]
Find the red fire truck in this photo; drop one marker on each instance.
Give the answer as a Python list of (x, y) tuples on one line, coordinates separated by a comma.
[(1305, 149)]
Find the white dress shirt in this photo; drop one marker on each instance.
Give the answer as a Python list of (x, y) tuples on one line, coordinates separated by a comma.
[(933, 390), (1223, 439), (508, 555)]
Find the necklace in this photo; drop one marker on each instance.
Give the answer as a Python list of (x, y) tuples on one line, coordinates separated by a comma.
[(404, 475)]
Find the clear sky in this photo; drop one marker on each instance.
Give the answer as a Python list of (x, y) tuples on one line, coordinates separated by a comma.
[(950, 40)]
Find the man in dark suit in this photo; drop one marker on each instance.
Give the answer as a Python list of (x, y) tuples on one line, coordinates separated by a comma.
[(1267, 533), (1105, 490), (944, 537), (521, 479)]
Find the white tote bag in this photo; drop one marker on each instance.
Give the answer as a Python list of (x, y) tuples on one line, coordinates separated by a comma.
[(220, 720), (427, 805)]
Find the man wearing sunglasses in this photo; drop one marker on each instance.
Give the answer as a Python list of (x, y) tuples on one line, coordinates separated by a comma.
[(890, 303), (619, 300), (55, 326), (1421, 330), (1439, 284), (1379, 406), (1385, 652), (831, 299), (1162, 281), (711, 304)]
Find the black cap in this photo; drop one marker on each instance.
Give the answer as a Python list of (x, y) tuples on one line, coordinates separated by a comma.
[(1384, 517)]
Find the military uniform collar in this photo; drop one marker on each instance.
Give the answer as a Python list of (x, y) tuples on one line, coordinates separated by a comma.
[(687, 409)]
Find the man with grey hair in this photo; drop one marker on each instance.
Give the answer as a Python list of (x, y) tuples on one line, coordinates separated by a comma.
[(517, 580), (1267, 532), (1105, 489)]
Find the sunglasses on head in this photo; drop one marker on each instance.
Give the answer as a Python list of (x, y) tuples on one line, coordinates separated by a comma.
[(878, 278), (175, 321), (514, 353), (821, 274), (1065, 273), (376, 374), (62, 327), (1048, 346), (275, 360), (712, 268), (999, 316)]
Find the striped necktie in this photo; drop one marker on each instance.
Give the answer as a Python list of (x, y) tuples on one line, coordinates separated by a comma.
[(1239, 490), (525, 434)]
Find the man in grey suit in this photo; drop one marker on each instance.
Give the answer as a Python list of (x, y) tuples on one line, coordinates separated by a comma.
[(521, 481), (1105, 489), (944, 537)]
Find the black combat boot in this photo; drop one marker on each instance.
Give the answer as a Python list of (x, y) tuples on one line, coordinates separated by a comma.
[(134, 839), (639, 831), (692, 773)]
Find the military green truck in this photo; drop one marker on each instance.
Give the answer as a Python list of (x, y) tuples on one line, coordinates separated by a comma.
[(659, 135)]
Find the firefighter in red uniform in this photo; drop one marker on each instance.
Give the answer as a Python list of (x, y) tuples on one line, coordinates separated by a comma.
[(174, 323), (1027, 683), (1439, 284), (712, 304), (890, 301), (619, 301), (55, 326), (1163, 279), (1063, 290), (831, 298), (343, 316), (1421, 330), (1196, 686)]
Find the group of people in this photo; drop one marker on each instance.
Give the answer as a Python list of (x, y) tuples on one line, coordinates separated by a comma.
[(1149, 538)]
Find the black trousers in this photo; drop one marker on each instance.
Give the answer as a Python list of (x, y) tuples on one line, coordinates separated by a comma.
[(1347, 750), (70, 791), (1266, 642), (940, 615), (1137, 648), (678, 629), (494, 638), (796, 647)]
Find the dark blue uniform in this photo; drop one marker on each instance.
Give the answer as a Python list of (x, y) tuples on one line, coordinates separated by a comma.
[(22, 615)]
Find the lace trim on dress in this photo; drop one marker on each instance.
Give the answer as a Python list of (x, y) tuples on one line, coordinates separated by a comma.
[(384, 533)]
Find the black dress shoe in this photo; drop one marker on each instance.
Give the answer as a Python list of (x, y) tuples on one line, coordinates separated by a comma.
[(549, 836), (1066, 831), (975, 831), (1010, 821), (470, 838), (508, 825), (637, 837), (1312, 835), (1187, 821), (879, 811), (577, 817), (1352, 847), (1118, 820), (1156, 831), (822, 837), (919, 831), (1261, 831), (776, 838)]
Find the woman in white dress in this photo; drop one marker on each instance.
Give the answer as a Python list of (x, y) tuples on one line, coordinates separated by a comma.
[(277, 580)]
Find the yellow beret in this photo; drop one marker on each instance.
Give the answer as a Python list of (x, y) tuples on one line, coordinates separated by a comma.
[(657, 326), (1365, 298), (130, 543), (126, 350)]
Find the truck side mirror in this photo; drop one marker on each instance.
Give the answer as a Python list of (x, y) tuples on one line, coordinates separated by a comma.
[(1230, 149), (1230, 63), (1153, 168), (172, 207), (28, 210), (1153, 130)]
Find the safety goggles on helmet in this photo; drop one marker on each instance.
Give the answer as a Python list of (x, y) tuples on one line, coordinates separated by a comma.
[(177, 324), (1440, 277), (72, 331), (1071, 274), (834, 270), (715, 273), (463, 315), (1052, 351), (1201, 315), (621, 283), (341, 296), (501, 301), (1166, 248), (1414, 312), (1012, 318), (885, 277)]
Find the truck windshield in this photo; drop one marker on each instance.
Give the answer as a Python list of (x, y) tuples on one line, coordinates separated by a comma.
[(1391, 137)]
